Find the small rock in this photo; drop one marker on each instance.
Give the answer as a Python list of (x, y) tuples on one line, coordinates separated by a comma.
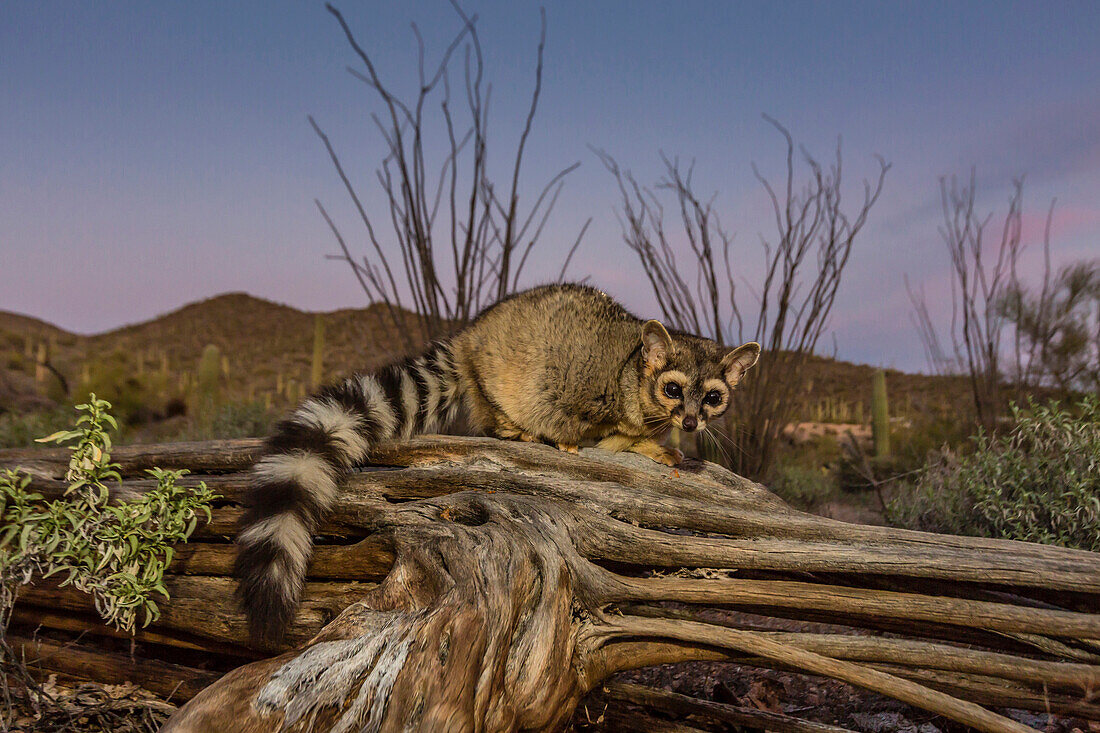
[(1028, 718)]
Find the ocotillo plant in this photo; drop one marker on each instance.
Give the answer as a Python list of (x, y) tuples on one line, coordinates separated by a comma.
[(317, 369), (880, 415)]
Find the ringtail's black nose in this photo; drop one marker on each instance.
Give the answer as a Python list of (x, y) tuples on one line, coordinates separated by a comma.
[(690, 422)]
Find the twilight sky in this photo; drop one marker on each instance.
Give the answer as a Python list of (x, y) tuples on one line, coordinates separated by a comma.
[(152, 154)]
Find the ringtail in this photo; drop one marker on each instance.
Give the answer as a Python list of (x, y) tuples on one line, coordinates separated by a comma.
[(559, 364)]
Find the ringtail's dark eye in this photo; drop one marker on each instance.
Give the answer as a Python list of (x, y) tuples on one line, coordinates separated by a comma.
[(713, 398), (673, 391)]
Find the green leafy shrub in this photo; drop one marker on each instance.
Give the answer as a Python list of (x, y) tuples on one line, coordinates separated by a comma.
[(919, 435), (114, 377), (231, 420), (1040, 482), (803, 487), (117, 553), (21, 430)]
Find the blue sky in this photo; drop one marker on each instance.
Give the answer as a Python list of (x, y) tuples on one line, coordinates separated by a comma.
[(155, 153)]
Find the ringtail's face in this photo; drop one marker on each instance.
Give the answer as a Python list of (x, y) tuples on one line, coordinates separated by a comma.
[(687, 381)]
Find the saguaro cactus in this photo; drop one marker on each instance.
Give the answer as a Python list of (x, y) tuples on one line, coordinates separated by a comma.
[(880, 415), (208, 380), (209, 369), (41, 371), (317, 369)]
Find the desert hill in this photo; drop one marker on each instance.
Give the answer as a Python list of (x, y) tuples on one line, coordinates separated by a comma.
[(265, 345), (267, 349), (19, 323)]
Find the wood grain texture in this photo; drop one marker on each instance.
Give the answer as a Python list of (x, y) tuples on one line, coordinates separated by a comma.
[(469, 583)]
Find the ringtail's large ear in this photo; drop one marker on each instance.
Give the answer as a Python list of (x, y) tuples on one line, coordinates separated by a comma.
[(739, 361), (656, 344)]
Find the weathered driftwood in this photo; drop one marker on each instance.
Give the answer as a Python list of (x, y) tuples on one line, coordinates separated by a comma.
[(467, 583)]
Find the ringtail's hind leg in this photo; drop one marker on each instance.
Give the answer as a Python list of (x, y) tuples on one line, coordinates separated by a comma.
[(643, 446), (506, 429), (496, 423), (482, 415), (493, 421)]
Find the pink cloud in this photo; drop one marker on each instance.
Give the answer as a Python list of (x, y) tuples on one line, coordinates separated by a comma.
[(1067, 222)]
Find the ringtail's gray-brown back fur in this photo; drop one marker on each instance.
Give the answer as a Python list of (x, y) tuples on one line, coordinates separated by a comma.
[(561, 364)]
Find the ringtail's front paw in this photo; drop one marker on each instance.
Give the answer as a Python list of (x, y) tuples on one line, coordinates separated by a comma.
[(669, 456), (661, 454)]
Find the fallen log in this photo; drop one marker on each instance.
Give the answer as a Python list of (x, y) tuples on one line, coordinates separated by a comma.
[(466, 583), (166, 679)]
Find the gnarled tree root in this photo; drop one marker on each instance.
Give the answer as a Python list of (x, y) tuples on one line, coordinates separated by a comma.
[(513, 579)]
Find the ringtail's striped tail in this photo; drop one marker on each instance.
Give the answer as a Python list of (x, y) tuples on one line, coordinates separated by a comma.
[(308, 456)]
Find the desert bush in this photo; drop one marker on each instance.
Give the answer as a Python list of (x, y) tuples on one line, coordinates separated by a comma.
[(17, 362), (914, 441), (804, 474), (803, 487), (1057, 328), (922, 434), (114, 378), (21, 430), (1039, 482), (116, 553), (230, 420)]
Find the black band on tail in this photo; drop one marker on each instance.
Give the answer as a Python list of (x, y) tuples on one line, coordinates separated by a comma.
[(307, 457)]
